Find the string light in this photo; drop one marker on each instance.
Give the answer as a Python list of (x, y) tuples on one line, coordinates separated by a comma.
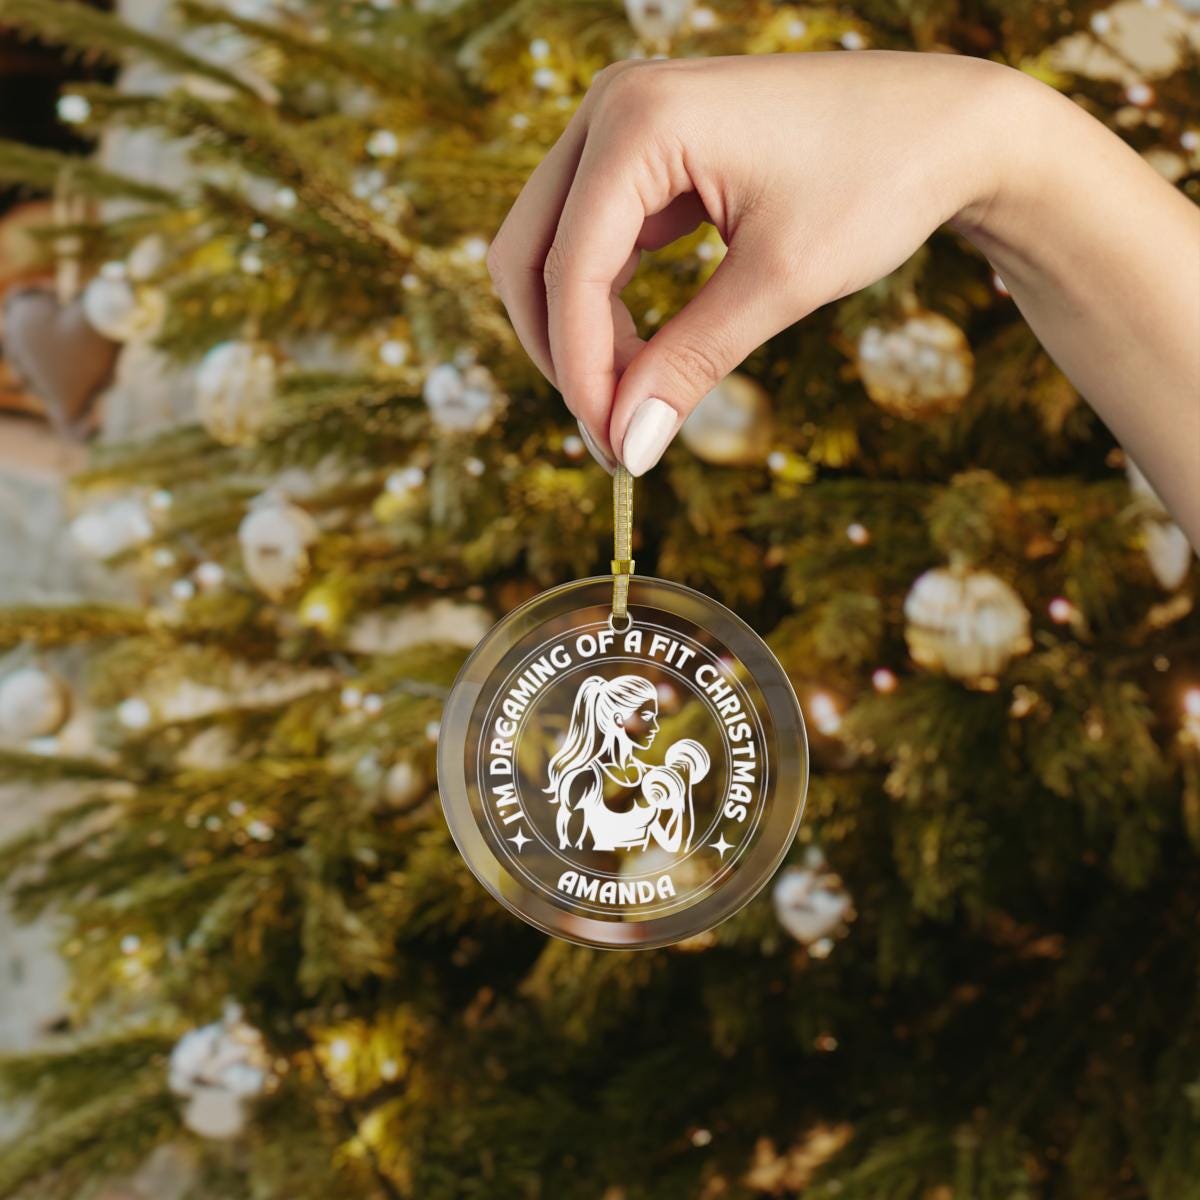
[(393, 353), (351, 697), (383, 143), (1140, 94), (858, 533), (73, 109), (134, 713), (1061, 610), (884, 681), (1191, 713), (339, 1050), (210, 575)]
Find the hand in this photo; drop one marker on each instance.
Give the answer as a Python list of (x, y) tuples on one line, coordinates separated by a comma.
[(822, 173)]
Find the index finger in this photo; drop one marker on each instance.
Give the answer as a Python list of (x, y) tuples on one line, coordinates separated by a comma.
[(594, 246)]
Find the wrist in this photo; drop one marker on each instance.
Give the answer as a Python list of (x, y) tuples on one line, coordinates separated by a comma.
[(1022, 211), (1015, 132)]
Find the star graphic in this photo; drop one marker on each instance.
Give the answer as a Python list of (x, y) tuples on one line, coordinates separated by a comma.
[(520, 840), (721, 845)]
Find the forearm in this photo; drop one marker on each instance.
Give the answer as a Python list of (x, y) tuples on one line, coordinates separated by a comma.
[(1102, 257)]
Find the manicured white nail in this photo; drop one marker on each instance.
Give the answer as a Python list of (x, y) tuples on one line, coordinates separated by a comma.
[(650, 431), (605, 460)]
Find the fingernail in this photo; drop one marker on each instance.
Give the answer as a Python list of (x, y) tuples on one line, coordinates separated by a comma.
[(650, 431), (605, 460)]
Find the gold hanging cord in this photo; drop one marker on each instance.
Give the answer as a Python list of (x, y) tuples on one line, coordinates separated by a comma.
[(622, 563)]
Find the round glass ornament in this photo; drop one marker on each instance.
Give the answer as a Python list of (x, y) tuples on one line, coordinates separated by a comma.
[(623, 782)]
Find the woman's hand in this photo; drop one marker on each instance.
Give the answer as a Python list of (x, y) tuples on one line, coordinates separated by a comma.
[(822, 173)]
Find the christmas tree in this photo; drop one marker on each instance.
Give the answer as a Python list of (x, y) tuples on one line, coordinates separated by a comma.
[(977, 975)]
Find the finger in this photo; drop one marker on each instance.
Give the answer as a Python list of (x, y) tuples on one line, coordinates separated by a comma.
[(744, 303), (626, 346), (598, 232), (518, 251)]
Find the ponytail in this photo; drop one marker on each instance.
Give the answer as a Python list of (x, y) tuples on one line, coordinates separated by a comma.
[(583, 736)]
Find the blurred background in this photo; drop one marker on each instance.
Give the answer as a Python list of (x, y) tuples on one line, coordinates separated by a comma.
[(272, 461)]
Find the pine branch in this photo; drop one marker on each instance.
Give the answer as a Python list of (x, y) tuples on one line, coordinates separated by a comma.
[(65, 624), (45, 169), (92, 32)]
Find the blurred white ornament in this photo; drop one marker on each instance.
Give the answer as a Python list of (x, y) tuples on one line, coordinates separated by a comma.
[(965, 622), (33, 703), (286, 199), (235, 390), (112, 528), (219, 1070), (251, 262), (917, 368), (404, 784), (852, 40), (275, 538), (147, 258), (183, 589), (657, 20), (811, 903), (732, 424), (1167, 546), (461, 399), (544, 78), (118, 309), (389, 631)]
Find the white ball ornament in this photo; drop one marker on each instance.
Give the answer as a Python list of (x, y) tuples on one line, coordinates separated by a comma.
[(235, 390), (812, 904), (918, 368), (461, 399), (404, 784), (120, 309), (1167, 547), (33, 703), (112, 528), (657, 20), (275, 538), (965, 622), (219, 1070), (731, 426)]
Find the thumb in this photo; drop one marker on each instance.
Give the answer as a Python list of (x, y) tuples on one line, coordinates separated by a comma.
[(742, 305)]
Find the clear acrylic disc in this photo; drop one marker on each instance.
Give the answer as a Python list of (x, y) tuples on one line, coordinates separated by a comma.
[(622, 783)]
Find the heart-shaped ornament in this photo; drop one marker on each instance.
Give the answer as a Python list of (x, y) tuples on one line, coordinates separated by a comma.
[(62, 359)]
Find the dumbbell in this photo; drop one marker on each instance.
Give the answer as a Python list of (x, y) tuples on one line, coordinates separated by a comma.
[(689, 758)]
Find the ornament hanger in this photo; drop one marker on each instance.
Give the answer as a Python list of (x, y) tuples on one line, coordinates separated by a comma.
[(622, 563)]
